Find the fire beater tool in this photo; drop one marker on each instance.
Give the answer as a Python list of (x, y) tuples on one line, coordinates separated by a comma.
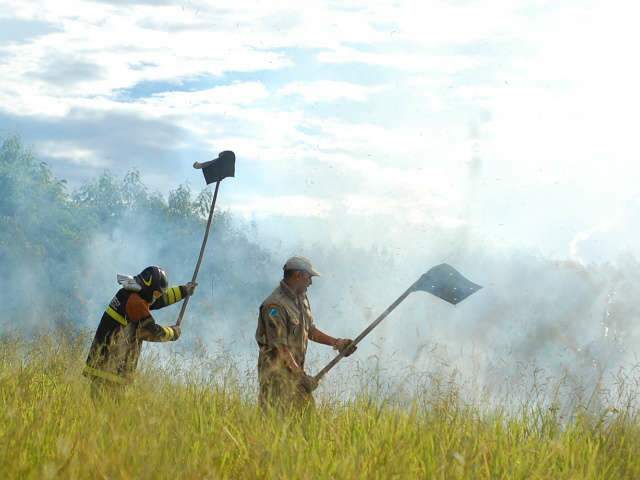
[(443, 281), (214, 171)]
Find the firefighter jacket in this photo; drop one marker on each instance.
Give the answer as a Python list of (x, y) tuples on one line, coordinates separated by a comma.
[(126, 322)]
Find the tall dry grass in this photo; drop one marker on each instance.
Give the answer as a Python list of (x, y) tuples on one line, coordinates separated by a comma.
[(177, 425)]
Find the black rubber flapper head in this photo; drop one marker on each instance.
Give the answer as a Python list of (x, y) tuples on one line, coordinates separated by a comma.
[(219, 168), (447, 283)]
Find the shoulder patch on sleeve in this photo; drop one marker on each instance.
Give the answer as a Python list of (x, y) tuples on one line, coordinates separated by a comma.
[(274, 311)]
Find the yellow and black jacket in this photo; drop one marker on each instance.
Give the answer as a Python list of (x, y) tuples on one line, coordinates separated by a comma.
[(125, 324)]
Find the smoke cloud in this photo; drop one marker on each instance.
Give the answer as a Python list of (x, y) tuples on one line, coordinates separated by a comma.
[(536, 321)]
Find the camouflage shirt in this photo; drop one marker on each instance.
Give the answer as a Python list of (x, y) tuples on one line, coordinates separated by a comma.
[(284, 320)]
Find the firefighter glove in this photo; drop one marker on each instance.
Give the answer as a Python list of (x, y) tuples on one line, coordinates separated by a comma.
[(176, 332), (190, 287)]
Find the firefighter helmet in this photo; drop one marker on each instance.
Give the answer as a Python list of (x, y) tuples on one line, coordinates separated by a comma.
[(152, 279)]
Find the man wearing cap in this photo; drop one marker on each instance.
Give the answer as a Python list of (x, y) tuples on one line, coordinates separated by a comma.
[(285, 324)]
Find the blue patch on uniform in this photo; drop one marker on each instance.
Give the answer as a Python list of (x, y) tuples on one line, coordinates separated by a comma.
[(273, 312)]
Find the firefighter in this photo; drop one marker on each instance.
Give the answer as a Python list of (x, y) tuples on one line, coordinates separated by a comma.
[(125, 324)]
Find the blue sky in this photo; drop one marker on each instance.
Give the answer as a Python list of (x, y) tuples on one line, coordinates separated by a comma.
[(372, 122)]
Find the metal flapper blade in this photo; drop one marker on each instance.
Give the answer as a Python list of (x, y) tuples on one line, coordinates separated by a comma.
[(447, 283)]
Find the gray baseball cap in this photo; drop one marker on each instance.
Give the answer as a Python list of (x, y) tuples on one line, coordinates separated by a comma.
[(300, 263)]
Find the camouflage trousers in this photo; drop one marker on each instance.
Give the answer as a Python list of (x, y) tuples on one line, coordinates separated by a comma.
[(284, 392)]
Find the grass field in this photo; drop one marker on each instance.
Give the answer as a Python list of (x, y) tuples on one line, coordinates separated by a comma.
[(188, 428)]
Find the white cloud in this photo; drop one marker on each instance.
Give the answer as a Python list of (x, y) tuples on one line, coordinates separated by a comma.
[(419, 61), (282, 206), (525, 88), (329, 91), (210, 100)]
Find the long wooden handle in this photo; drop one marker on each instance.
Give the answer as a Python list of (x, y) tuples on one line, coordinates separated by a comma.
[(204, 243), (364, 333)]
